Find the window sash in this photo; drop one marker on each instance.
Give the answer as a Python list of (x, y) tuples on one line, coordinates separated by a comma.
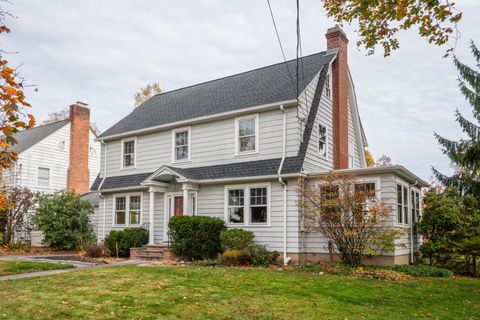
[(322, 140), (128, 210), (181, 140), (402, 205), (43, 178), (248, 206), (247, 134), (129, 153)]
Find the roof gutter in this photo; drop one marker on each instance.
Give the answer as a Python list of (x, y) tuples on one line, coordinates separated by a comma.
[(216, 116)]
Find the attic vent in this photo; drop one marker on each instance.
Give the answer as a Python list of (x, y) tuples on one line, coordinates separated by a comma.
[(61, 145)]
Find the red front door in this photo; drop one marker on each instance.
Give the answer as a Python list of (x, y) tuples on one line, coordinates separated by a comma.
[(178, 206)]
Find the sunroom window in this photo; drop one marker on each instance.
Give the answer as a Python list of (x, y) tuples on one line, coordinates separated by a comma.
[(402, 204)]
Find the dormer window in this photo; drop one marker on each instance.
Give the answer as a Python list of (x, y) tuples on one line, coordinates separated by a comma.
[(246, 135), (128, 153), (181, 144)]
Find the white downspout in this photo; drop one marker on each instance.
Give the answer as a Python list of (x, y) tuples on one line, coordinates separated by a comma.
[(286, 259), (411, 227), (104, 216)]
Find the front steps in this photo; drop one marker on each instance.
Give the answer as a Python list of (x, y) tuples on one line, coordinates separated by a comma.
[(157, 252)]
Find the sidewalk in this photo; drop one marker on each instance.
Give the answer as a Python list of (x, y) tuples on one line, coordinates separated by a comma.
[(82, 268)]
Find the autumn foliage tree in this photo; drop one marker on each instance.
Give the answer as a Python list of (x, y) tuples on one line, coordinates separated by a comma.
[(380, 21), (14, 216), (146, 93), (347, 213)]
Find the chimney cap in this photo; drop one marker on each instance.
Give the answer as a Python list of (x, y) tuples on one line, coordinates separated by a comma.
[(336, 32), (80, 103)]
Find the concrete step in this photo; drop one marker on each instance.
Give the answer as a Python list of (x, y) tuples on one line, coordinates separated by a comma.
[(149, 258)]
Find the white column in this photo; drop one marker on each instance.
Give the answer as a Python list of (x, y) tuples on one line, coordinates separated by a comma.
[(186, 210), (150, 226)]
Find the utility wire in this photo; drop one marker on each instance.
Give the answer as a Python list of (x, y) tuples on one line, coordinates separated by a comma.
[(281, 48), (299, 50)]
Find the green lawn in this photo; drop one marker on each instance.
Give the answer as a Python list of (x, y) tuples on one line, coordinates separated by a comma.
[(156, 292), (8, 267)]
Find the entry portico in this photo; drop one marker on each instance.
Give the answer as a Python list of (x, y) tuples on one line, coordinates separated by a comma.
[(180, 198)]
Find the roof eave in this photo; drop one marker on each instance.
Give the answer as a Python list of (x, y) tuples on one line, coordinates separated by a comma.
[(264, 107)]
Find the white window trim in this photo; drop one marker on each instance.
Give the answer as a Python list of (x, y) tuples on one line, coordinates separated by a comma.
[(122, 167), (190, 203), (419, 204), (326, 140), (189, 129), (246, 205), (49, 177), (378, 186), (406, 185), (257, 135), (127, 210)]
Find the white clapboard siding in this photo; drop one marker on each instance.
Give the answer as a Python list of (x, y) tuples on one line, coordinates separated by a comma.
[(212, 143), (211, 202), (94, 151)]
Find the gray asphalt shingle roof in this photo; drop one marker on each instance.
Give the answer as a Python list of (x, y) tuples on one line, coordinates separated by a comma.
[(312, 65), (252, 88), (28, 138)]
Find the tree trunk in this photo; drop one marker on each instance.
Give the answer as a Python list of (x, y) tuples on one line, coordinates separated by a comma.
[(474, 265)]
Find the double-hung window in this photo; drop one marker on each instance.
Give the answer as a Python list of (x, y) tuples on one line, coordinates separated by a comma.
[(328, 85), (128, 153), (247, 205), (127, 210), (43, 179), (402, 204), (322, 141), (415, 203), (181, 145), (246, 134)]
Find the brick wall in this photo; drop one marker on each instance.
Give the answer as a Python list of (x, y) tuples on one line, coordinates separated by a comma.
[(78, 178), (336, 39)]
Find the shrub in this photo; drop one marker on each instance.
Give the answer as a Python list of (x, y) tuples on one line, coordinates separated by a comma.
[(234, 257), (119, 242), (260, 256), (381, 274), (237, 239), (423, 271), (64, 218), (196, 237), (93, 250)]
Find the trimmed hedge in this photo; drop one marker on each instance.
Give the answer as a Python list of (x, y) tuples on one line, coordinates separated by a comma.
[(123, 240), (196, 237), (423, 271)]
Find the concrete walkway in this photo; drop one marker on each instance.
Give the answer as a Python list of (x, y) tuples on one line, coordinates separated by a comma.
[(80, 268)]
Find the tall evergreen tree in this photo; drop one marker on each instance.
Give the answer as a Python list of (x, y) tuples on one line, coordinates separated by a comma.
[(465, 153)]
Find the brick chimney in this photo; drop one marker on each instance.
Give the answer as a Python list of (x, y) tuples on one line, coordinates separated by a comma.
[(78, 177), (336, 39)]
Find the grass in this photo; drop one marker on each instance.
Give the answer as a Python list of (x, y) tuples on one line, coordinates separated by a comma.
[(8, 267), (153, 292)]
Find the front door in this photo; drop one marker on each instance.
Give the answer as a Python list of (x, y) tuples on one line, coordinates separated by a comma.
[(178, 206)]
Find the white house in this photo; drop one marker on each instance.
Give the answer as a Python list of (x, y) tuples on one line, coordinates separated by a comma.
[(56, 156), (236, 147)]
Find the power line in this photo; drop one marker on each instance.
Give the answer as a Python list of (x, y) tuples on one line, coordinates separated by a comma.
[(299, 50), (281, 48)]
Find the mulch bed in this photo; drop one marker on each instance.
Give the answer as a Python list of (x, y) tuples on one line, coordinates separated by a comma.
[(4, 251)]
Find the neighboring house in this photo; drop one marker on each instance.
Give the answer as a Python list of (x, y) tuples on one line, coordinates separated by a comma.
[(56, 156), (235, 148)]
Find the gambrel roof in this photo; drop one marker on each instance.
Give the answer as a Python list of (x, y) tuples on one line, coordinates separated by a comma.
[(262, 86)]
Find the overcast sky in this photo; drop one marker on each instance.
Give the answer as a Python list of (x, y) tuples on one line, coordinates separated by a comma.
[(102, 52)]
